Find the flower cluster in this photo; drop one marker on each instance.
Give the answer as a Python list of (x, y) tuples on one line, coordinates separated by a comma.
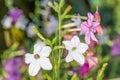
[(82, 53)]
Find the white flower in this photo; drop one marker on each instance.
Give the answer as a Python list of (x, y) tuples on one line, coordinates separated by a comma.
[(30, 32), (51, 25), (75, 50), (21, 22), (38, 59), (77, 21), (45, 13), (6, 22)]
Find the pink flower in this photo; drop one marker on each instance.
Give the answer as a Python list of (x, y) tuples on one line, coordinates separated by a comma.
[(98, 19), (89, 28), (84, 70), (91, 59), (90, 63)]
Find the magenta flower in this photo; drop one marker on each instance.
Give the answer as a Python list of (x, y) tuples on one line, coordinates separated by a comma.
[(89, 28), (84, 70), (90, 63), (15, 14)]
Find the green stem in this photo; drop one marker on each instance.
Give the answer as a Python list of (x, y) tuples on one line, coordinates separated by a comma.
[(59, 51)]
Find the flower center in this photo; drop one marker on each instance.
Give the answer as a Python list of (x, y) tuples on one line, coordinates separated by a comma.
[(74, 48), (36, 56)]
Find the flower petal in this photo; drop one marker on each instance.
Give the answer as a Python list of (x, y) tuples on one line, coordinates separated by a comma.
[(37, 49), (89, 23), (45, 52), (90, 16), (34, 68), (79, 58), (82, 47), (28, 58), (68, 45), (38, 46), (45, 64), (69, 57), (93, 37), (87, 38), (95, 24), (75, 40)]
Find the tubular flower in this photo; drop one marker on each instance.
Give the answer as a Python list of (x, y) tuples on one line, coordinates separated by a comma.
[(38, 59), (75, 50), (98, 19), (89, 28)]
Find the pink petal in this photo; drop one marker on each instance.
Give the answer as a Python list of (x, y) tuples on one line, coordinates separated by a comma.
[(99, 30), (89, 22), (93, 37), (84, 27), (95, 24), (84, 70), (97, 15), (92, 61), (87, 38), (90, 16)]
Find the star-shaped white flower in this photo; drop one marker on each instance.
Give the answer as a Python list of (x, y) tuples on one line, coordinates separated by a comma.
[(75, 50), (38, 59)]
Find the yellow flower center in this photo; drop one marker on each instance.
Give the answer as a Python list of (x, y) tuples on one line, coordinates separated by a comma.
[(36, 56), (74, 48)]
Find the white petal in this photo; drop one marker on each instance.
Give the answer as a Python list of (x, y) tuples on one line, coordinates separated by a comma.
[(28, 58), (68, 45), (30, 32), (37, 49), (21, 22), (34, 68), (6, 22), (45, 52), (79, 58), (75, 40), (82, 47), (45, 64), (38, 46), (69, 57)]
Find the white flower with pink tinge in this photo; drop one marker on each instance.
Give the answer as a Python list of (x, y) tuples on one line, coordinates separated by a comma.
[(75, 50), (39, 59)]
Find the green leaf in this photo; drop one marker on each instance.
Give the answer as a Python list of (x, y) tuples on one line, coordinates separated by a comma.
[(54, 40), (101, 72), (48, 42), (74, 77), (56, 6), (61, 3)]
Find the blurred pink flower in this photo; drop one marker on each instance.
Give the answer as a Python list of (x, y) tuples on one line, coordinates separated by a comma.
[(89, 28), (91, 59), (90, 63), (115, 49), (98, 19), (84, 70), (92, 45)]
